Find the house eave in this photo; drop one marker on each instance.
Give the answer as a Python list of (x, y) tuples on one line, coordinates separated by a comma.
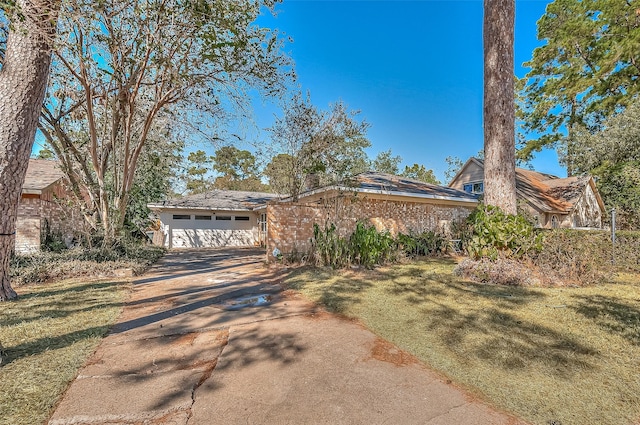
[(162, 208)]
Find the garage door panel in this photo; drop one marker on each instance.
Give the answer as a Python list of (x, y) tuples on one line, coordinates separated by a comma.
[(210, 238)]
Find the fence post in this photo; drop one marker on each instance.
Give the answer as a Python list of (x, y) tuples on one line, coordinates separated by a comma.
[(613, 235)]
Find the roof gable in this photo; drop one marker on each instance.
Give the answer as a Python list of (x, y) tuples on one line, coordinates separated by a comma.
[(41, 173), (545, 192)]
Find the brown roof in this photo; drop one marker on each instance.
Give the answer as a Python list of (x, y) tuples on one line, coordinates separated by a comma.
[(232, 200), (546, 192), (403, 185), (41, 173), (389, 184)]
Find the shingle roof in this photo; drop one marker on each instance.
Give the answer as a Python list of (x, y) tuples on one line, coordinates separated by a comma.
[(406, 186), (389, 184), (41, 173), (547, 192), (218, 200)]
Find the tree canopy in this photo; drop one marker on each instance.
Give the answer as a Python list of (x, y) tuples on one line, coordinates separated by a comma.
[(587, 69), (124, 70), (419, 172), (612, 155), (325, 145), (386, 162)]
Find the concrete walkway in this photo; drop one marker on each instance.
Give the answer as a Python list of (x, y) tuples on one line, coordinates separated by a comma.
[(209, 337)]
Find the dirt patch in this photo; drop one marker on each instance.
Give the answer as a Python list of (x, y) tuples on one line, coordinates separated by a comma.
[(186, 339), (385, 351)]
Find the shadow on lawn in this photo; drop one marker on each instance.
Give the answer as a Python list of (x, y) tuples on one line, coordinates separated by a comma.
[(482, 322), (61, 303), (612, 315), (337, 297)]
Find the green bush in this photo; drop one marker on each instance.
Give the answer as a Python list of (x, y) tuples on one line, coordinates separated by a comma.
[(494, 234), (422, 244), (365, 246), (368, 247)]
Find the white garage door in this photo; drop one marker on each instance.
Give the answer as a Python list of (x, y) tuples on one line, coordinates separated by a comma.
[(213, 230)]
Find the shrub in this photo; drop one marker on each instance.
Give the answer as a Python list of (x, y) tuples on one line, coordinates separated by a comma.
[(494, 234), (584, 257), (422, 244), (365, 246), (368, 247), (502, 271), (328, 248), (45, 266)]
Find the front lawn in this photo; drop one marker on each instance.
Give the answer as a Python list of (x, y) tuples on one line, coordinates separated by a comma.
[(47, 334), (550, 355)]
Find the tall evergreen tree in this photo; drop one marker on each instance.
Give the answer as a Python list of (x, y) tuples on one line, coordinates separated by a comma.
[(23, 80), (587, 69), (499, 105)]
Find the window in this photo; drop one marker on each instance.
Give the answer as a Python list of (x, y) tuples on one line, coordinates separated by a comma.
[(474, 187), (223, 217), (181, 217), (554, 222), (242, 218), (263, 222), (203, 217)]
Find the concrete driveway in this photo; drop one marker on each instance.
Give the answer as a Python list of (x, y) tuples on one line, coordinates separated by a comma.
[(209, 337)]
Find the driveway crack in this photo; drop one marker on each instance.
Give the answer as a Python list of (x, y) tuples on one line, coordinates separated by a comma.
[(206, 374)]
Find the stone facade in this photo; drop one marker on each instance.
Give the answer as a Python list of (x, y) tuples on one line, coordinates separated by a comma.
[(290, 225)]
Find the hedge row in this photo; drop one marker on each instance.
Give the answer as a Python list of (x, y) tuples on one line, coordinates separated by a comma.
[(592, 250)]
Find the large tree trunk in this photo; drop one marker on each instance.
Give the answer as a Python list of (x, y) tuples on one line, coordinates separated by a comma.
[(23, 81), (499, 105)]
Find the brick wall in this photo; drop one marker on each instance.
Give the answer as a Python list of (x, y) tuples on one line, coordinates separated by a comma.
[(290, 226), (28, 224), (49, 208)]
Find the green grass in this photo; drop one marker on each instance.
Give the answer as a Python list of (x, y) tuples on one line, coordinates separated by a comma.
[(48, 333), (570, 355)]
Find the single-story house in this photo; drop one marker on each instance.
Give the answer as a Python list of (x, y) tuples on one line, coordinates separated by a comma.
[(392, 203), (571, 202), (41, 206)]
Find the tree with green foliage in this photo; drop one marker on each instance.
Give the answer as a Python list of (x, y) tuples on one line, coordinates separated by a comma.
[(385, 162), (587, 69), (419, 172), (157, 171), (279, 172), (612, 156), (27, 32), (238, 168), (199, 165), (307, 142), (150, 62), (499, 108)]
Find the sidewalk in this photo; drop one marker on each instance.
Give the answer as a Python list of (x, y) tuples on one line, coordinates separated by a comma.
[(208, 337)]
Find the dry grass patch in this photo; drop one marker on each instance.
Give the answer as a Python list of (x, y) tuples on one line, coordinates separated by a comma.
[(47, 334), (569, 355)]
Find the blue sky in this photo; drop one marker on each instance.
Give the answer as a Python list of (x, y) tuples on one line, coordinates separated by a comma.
[(413, 68)]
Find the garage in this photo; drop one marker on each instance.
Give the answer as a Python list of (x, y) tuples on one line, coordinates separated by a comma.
[(211, 220)]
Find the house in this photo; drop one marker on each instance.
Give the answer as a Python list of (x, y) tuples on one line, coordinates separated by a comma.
[(553, 202), (41, 208), (213, 219), (388, 202)]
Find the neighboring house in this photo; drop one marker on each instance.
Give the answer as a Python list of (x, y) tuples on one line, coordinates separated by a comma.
[(572, 202), (388, 202), (214, 219), (41, 208)]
